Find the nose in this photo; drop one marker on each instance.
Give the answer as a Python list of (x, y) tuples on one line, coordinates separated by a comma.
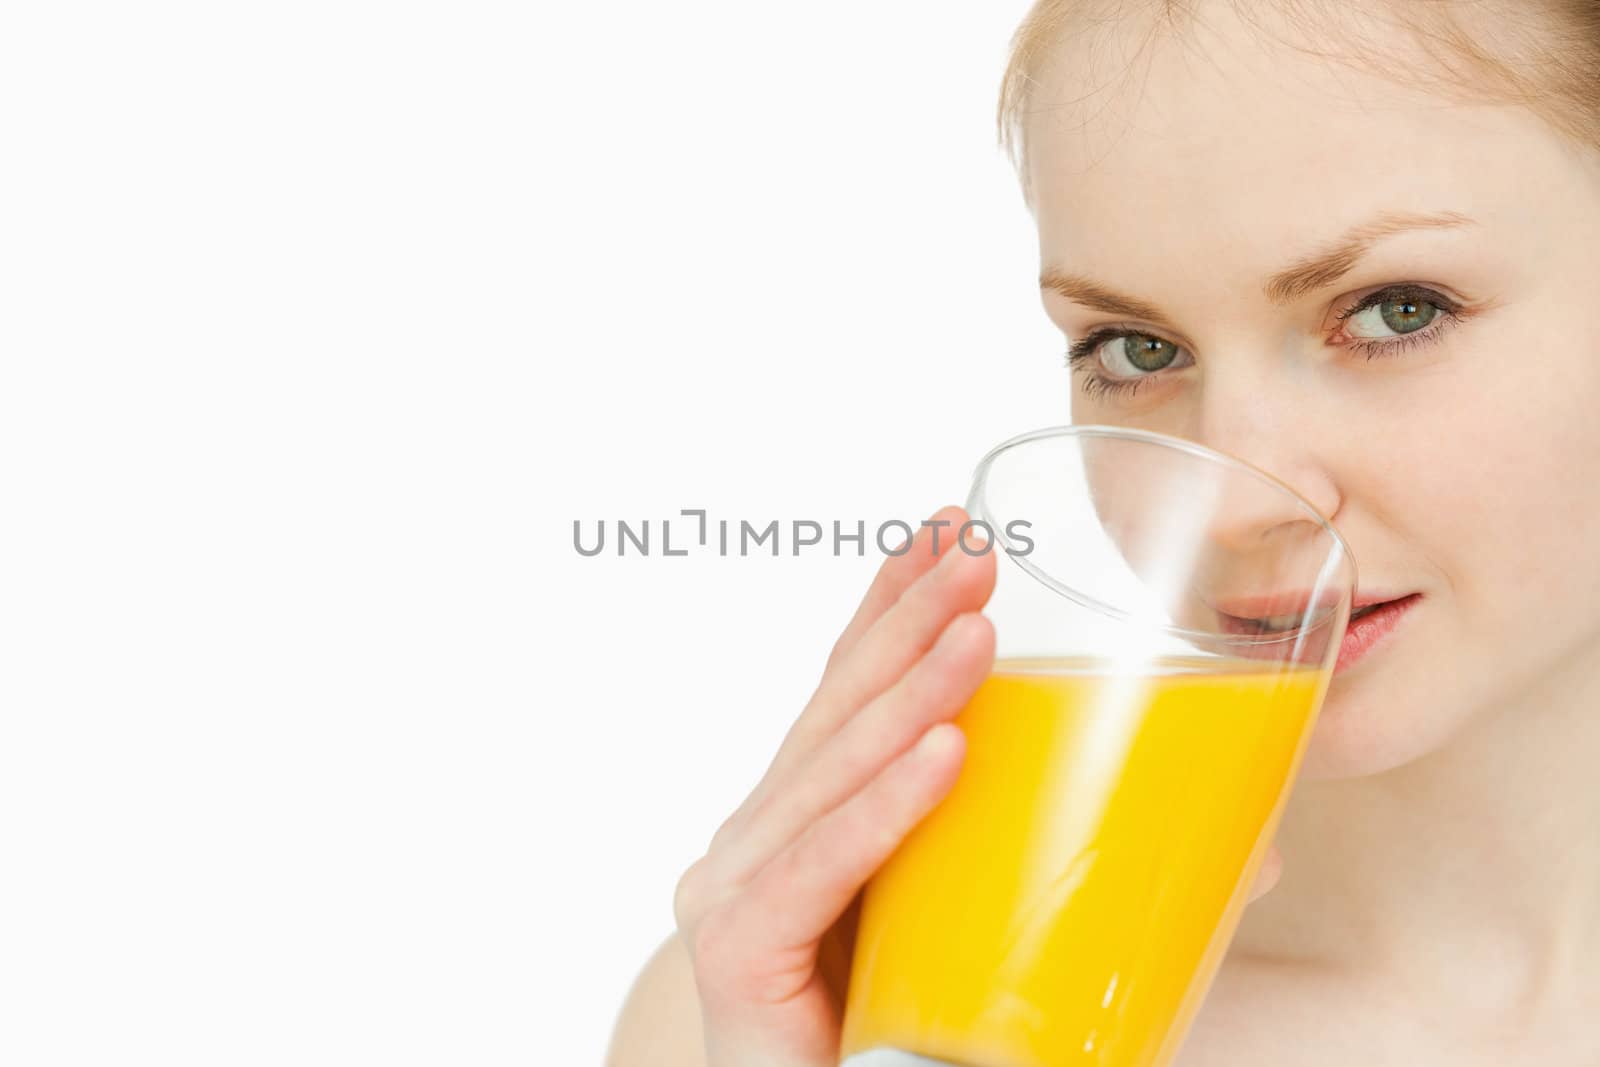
[(1259, 540), (1272, 434), (1251, 512)]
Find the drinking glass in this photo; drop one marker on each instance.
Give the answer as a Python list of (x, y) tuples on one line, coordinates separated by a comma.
[(1167, 622)]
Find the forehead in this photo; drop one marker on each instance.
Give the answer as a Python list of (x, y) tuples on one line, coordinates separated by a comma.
[(1224, 135)]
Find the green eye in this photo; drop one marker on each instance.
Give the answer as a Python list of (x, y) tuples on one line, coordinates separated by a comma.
[(1147, 353), (1395, 312), (1406, 314)]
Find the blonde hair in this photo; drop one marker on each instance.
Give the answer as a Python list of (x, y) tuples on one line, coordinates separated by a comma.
[(1541, 54)]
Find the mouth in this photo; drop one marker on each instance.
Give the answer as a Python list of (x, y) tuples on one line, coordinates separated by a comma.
[(1284, 612), (1274, 618), (1374, 624)]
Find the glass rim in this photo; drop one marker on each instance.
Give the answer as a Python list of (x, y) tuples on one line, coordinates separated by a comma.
[(977, 509)]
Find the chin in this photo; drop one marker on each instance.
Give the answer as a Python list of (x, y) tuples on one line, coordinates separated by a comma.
[(1370, 724)]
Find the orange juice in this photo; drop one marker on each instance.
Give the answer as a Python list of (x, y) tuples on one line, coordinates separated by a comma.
[(1069, 900)]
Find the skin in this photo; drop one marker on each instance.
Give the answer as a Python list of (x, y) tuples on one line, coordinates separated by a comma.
[(1440, 891)]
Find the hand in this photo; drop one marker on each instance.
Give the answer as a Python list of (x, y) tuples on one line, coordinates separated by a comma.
[(768, 912)]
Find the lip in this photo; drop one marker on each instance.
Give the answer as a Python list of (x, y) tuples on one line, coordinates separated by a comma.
[(1296, 601), (1364, 634), (1361, 635)]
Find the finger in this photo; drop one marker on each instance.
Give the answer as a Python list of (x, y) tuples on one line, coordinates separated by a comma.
[(897, 573), (800, 894), (959, 582), (1269, 874), (933, 690)]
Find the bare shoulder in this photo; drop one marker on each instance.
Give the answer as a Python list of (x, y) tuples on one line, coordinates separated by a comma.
[(659, 1025)]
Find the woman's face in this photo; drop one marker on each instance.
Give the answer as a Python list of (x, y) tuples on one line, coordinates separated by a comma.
[(1224, 205)]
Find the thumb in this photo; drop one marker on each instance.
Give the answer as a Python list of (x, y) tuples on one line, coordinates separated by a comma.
[(1267, 877)]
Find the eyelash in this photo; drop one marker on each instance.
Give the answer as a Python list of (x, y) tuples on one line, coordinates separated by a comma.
[(1081, 351)]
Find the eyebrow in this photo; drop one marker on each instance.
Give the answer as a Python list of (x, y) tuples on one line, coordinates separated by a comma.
[(1302, 276)]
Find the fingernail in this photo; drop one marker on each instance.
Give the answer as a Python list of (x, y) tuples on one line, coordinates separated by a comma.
[(938, 740), (974, 538)]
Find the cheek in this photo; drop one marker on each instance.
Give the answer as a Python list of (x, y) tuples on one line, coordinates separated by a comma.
[(1495, 510), (1169, 410), (1481, 483), (1501, 492)]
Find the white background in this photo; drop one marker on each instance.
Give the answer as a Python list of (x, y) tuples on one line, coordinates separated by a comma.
[(321, 323)]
